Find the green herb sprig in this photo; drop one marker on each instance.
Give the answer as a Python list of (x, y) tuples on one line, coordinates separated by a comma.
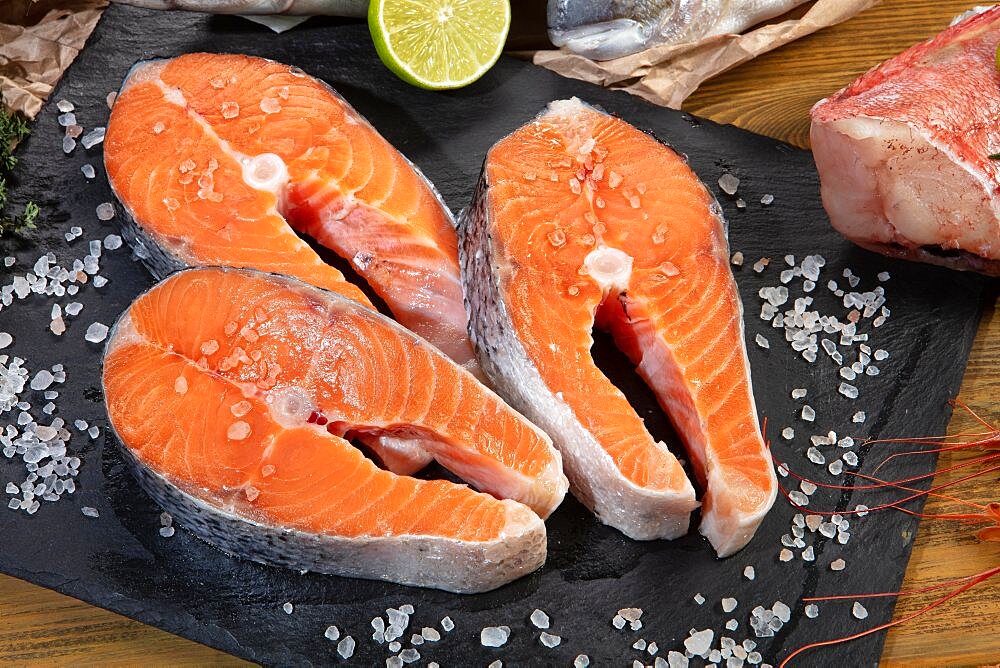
[(13, 129)]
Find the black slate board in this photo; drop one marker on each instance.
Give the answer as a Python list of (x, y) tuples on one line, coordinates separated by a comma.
[(119, 561)]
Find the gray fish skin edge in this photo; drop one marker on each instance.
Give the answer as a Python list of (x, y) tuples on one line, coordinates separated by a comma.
[(608, 29)]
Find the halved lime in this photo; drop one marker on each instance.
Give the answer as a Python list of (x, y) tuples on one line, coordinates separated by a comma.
[(439, 44)]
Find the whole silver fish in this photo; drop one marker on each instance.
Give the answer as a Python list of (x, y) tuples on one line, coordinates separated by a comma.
[(357, 8), (606, 29)]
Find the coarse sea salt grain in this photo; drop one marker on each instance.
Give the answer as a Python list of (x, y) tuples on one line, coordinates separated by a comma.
[(105, 211), (812, 611), (799, 392), (331, 633), (96, 332), (788, 433), (288, 608), (699, 599), (859, 611), (808, 413), (729, 604), (539, 619), (494, 636), (761, 341), (729, 183), (581, 661), (345, 648), (838, 565), (90, 512), (548, 639), (749, 573)]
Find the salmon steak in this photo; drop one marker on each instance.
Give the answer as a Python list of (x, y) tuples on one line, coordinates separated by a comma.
[(907, 154), (224, 159), (579, 219), (221, 159), (235, 394)]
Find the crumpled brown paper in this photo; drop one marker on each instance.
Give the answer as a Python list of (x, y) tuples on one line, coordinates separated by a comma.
[(666, 75), (38, 41)]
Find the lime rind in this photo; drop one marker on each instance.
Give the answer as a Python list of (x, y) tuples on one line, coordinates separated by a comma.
[(437, 45)]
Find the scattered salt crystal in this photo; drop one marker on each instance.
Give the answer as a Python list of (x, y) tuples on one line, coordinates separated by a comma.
[(788, 433), (729, 604), (798, 392), (762, 342), (737, 259), (749, 573), (430, 634), (883, 276), (447, 624), (288, 608), (815, 456), (798, 498), (581, 661), (93, 138), (90, 512), (409, 655), (699, 599), (848, 390), (729, 183), (74, 308), (96, 333), (93, 431), (785, 555), (652, 648), (345, 648), (99, 281), (105, 211), (859, 611), (112, 242), (699, 642), (618, 622), (767, 199), (68, 144), (42, 380), (861, 510), (836, 467), (180, 385), (270, 105), (732, 625), (230, 109), (494, 636), (166, 532), (548, 639), (809, 554), (88, 170), (65, 105), (837, 565), (807, 487), (67, 119), (540, 619), (331, 633), (808, 413), (675, 660)]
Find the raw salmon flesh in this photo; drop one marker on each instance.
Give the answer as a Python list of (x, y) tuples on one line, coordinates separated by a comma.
[(580, 220), (220, 159), (234, 392)]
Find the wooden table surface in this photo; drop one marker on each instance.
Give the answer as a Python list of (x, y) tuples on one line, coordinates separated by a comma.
[(770, 95)]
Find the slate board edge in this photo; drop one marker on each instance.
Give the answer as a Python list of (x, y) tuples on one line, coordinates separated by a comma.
[(200, 632)]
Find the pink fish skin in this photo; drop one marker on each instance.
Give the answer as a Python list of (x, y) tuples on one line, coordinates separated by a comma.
[(903, 153)]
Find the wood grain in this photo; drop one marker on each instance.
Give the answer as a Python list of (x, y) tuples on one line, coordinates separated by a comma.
[(771, 95)]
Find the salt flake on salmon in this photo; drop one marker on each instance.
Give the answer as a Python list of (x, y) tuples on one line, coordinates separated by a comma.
[(234, 393), (904, 152), (582, 220)]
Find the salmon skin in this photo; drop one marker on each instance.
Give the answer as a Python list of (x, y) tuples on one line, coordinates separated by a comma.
[(904, 152), (220, 159), (233, 393), (580, 219)]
